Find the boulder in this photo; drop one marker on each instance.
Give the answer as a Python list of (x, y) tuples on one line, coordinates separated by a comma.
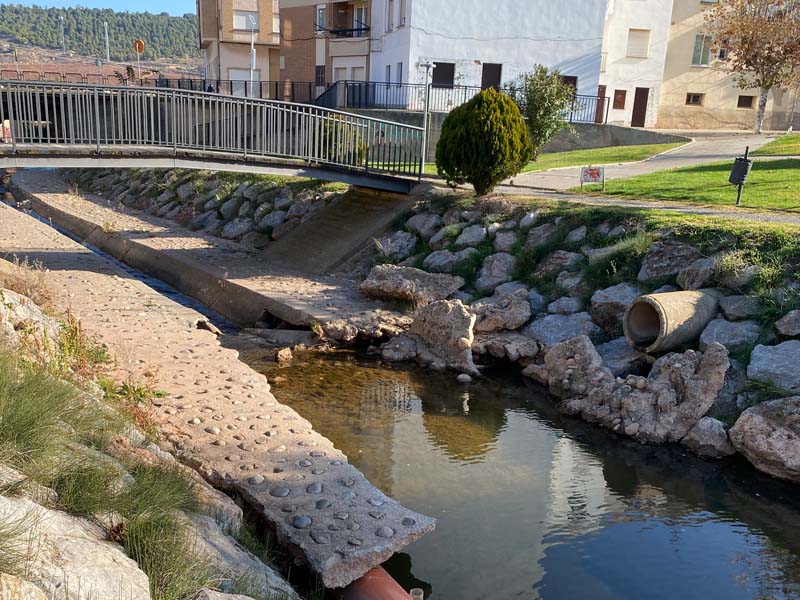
[(731, 396), (554, 329), (207, 594), (768, 435), (708, 438), (508, 345), (736, 336), (201, 220), (390, 282), (445, 236), (543, 235), (398, 246), (271, 220), (283, 201), (451, 216), (777, 365), (505, 241), (14, 588), (577, 235), (20, 316), (571, 283), (444, 335), (512, 287), (298, 209), (230, 208), (789, 325), (444, 261), (739, 279), (528, 221), (665, 259), (609, 305), (237, 228), (247, 209), (622, 358), (501, 312), (565, 306), (662, 407), (497, 269), (73, 559), (738, 308), (424, 224), (256, 240), (472, 236), (262, 211), (558, 261), (698, 275), (536, 300), (399, 349)]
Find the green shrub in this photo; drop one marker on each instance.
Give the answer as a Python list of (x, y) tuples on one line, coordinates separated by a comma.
[(483, 142)]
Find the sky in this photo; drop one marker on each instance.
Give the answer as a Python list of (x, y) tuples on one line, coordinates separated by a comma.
[(174, 7)]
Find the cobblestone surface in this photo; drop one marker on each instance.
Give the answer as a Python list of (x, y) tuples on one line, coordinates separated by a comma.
[(219, 415)]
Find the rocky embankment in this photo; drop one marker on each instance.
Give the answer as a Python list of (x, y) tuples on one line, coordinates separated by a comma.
[(548, 290), (90, 507)]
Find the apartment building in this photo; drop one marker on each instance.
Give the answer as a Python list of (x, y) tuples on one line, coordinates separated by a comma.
[(325, 41), (227, 28)]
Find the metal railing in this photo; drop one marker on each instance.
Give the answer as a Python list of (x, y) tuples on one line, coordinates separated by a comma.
[(109, 119), (589, 109), (394, 96), (358, 32)]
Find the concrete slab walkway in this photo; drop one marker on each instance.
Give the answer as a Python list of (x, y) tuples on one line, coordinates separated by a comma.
[(219, 416)]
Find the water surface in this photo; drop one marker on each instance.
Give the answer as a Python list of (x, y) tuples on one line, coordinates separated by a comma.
[(533, 505)]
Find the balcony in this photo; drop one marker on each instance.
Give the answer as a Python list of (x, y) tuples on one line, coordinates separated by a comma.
[(349, 42)]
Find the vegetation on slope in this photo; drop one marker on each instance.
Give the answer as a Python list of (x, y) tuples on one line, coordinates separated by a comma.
[(165, 36)]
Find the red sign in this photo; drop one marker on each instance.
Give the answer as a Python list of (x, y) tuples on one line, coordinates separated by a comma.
[(593, 175), (138, 45)]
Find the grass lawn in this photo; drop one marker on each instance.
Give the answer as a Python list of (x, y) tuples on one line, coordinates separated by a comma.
[(786, 145), (582, 158), (773, 185)]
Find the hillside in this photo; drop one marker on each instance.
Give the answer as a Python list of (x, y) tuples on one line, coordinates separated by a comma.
[(165, 36)]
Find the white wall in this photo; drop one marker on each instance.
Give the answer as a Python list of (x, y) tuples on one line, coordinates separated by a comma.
[(562, 34), (627, 73)]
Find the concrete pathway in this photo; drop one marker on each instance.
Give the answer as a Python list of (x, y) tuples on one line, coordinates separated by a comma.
[(219, 416), (702, 150)]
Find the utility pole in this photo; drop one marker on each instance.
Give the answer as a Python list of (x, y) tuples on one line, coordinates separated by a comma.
[(108, 48), (63, 40), (427, 66), (253, 26)]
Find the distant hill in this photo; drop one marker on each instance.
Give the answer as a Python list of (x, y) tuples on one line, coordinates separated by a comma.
[(165, 36)]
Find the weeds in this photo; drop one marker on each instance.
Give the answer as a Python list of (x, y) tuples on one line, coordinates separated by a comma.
[(15, 544), (30, 280), (79, 354), (156, 491), (262, 548)]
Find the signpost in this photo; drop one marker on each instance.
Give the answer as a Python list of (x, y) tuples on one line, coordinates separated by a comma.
[(740, 172), (138, 46), (593, 175)]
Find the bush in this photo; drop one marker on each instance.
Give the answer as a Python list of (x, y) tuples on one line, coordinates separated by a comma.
[(483, 142), (543, 98)]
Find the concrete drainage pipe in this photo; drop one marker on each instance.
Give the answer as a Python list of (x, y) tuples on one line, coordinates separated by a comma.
[(663, 322)]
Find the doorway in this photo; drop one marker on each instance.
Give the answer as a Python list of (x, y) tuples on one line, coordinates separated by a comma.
[(640, 107), (600, 109), (492, 75)]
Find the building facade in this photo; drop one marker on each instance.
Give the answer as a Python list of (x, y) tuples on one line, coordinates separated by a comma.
[(227, 28)]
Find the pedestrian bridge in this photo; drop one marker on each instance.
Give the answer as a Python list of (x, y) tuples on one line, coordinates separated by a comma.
[(48, 124)]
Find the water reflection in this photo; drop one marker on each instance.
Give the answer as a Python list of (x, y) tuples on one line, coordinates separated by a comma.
[(532, 505)]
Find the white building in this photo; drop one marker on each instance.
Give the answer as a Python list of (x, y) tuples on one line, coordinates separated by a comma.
[(480, 43), (634, 54)]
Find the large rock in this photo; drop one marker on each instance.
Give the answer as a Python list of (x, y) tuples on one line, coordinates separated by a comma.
[(554, 329), (407, 284), (207, 594), (708, 438), (699, 274), (14, 588), (565, 306), (558, 261), (739, 308), (577, 235), (571, 283), (425, 224), (472, 236), (528, 220), (397, 247), (19, 316), (777, 365), (543, 235), (736, 336), (501, 312), (73, 559), (508, 345), (231, 207), (237, 228), (789, 326), (444, 261), (665, 259), (622, 359), (445, 236), (740, 278), (505, 241), (272, 220), (768, 435), (661, 408), (497, 269), (609, 305)]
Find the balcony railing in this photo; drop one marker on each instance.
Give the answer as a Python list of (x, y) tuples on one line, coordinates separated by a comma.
[(394, 96), (359, 32)]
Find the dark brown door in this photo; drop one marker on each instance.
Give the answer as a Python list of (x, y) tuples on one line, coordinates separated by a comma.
[(492, 74), (600, 111), (640, 107)]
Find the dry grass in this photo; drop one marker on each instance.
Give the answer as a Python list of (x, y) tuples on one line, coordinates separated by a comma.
[(28, 279)]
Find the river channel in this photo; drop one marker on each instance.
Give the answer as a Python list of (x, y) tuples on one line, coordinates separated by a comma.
[(533, 505)]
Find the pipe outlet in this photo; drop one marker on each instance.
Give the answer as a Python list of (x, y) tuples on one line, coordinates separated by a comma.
[(663, 322)]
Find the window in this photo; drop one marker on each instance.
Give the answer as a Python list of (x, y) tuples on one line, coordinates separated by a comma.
[(746, 102), (390, 16), (638, 43), (319, 75), (246, 20), (572, 81), (444, 74), (399, 72), (701, 57), (322, 18), (603, 61), (620, 97), (694, 99), (388, 73), (402, 21), (360, 23)]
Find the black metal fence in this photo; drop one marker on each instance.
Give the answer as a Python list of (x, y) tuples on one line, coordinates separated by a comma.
[(394, 96)]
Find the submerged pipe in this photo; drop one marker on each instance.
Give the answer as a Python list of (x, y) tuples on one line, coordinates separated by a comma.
[(662, 322), (377, 584)]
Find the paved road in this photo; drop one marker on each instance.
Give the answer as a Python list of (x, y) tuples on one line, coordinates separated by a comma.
[(702, 150)]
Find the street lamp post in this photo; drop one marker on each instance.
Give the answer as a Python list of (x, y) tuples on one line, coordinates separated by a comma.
[(253, 26), (108, 48), (63, 40), (427, 66)]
